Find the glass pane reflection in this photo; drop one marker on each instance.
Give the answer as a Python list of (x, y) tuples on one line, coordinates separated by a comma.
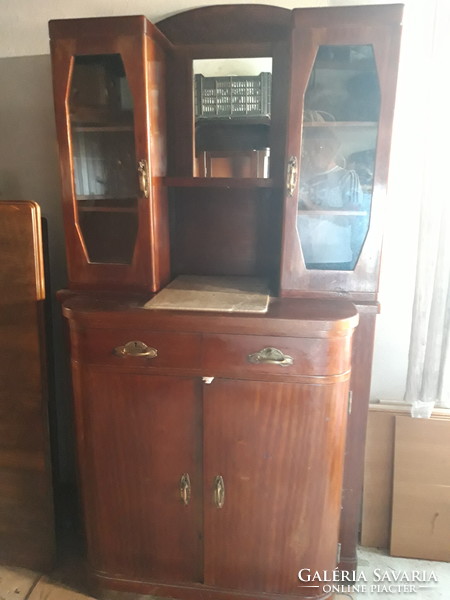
[(340, 124), (104, 160)]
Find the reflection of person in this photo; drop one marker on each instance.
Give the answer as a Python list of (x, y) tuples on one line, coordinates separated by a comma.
[(324, 185)]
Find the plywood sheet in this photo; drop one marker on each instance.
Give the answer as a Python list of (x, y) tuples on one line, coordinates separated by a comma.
[(421, 492), (378, 469)]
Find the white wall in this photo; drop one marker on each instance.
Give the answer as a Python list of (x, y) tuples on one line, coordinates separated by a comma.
[(23, 33)]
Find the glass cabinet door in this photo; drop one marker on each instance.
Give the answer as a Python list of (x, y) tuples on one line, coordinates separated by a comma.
[(340, 126), (343, 76), (109, 93), (104, 158)]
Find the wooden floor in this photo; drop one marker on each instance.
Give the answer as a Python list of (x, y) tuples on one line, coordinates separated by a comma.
[(20, 584)]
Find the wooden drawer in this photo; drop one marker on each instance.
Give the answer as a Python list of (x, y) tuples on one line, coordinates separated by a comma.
[(235, 354), (102, 346)]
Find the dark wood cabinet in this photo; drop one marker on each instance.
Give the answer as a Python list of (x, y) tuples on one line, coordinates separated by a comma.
[(203, 472), (273, 445), (112, 151), (140, 434), (343, 79), (228, 470)]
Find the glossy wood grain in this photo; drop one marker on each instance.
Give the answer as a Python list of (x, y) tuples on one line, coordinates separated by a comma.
[(362, 356), (317, 357), (256, 424), (26, 498), (137, 436), (174, 350), (274, 445), (285, 317), (165, 422)]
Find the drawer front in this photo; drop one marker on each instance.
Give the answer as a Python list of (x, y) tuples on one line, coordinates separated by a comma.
[(247, 355), (137, 348)]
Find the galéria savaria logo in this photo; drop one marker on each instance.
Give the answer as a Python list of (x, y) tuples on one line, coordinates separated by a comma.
[(381, 581)]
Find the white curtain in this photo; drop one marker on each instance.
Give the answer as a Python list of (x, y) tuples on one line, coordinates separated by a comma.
[(428, 378)]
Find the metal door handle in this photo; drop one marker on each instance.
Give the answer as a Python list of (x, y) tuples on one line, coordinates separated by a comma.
[(185, 488), (219, 491), (292, 173), (143, 177)]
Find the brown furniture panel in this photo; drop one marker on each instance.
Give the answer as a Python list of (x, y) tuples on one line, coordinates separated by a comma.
[(272, 443), (107, 347), (134, 514), (137, 436), (362, 355), (26, 498), (218, 231), (233, 355)]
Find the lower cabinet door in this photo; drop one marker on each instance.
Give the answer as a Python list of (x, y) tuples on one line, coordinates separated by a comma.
[(140, 462), (273, 455)]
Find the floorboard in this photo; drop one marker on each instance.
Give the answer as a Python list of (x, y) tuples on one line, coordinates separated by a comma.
[(16, 584)]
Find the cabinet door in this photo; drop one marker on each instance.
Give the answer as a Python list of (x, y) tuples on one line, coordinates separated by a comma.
[(273, 470), (343, 76), (115, 217), (139, 448)]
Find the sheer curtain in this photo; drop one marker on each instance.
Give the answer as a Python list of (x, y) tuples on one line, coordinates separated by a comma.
[(428, 379)]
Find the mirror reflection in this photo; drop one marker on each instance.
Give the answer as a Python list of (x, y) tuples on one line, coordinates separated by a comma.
[(340, 127), (232, 99)]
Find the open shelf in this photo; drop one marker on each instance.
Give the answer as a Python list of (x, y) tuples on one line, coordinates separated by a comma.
[(332, 213), (86, 115), (102, 128), (219, 182), (107, 209), (340, 124)]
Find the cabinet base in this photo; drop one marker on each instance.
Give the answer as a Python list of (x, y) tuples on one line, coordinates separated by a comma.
[(108, 586)]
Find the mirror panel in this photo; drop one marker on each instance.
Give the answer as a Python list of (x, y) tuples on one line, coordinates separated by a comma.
[(232, 100), (104, 160), (339, 137)]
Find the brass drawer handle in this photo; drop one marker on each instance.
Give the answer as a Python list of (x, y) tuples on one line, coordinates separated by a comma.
[(219, 491), (271, 356), (136, 349), (185, 488)]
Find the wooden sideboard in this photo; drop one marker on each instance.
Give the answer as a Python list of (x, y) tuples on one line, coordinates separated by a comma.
[(295, 120)]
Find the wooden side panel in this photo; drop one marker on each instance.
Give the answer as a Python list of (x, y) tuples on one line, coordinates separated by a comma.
[(363, 340), (421, 496), (137, 436), (275, 445), (26, 501)]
